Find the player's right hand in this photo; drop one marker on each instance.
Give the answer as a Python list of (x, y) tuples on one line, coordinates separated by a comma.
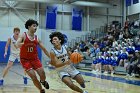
[(68, 62), (5, 54)]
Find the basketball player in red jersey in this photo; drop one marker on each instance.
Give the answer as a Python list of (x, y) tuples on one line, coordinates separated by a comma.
[(28, 43)]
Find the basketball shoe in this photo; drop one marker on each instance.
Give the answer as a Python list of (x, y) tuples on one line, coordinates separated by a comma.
[(25, 80), (1, 82), (45, 84), (42, 91)]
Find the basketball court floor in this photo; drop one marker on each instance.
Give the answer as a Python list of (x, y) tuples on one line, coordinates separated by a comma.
[(94, 83)]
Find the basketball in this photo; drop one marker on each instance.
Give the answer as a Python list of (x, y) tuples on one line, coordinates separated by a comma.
[(76, 57)]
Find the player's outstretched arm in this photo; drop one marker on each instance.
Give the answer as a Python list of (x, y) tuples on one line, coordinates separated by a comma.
[(43, 48), (6, 47)]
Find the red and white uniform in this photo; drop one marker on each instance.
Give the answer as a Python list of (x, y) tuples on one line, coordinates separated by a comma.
[(29, 55)]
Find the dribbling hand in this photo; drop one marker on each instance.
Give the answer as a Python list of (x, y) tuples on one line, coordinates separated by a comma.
[(68, 62)]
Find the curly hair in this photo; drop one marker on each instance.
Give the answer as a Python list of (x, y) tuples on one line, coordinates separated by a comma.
[(57, 34), (30, 22)]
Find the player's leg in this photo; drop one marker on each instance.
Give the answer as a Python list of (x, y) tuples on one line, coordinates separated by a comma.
[(67, 80), (36, 82), (75, 74), (42, 75), (29, 68), (12, 58), (6, 69), (39, 69), (80, 80)]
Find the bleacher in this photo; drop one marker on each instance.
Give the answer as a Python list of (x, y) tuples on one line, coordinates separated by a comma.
[(99, 33)]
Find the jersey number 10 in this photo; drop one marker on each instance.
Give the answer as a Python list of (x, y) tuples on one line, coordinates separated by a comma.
[(30, 49)]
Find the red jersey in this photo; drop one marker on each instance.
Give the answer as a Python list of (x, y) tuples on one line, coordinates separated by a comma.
[(28, 50)]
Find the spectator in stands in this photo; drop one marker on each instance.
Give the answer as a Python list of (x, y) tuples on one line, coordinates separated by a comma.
[(123, 57), (115, 43), (105, 62), (136, 24), (112, 62), (117, 32), (96, 48), (86, 51), (127, 33), (121, 36), (82, 46), (96, 65), (76, 47), (134, 65), (109, 30), (102, 45)]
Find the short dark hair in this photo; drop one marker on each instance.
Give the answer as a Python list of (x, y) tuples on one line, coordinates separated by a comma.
[(30, 22), (57, 34), (16, 29)]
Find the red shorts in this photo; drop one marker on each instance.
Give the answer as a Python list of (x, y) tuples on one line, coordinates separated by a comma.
[(30, 64)]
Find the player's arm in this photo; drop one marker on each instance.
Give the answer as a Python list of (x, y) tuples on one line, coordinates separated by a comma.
[(55, 62), (43, 48), (6, 47), (20, 41)]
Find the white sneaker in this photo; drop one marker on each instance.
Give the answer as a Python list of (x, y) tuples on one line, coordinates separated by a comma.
[(105, 73), (133, 75), (112, 74), (85, 92), (127, 76), (99, 72), (93, 71)]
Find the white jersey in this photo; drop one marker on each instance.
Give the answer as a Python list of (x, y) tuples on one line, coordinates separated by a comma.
[(67, 70), (13, 49), (61, 54)]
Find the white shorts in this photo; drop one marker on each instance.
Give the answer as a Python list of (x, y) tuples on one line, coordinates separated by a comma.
[(69, 71), (13, 57)]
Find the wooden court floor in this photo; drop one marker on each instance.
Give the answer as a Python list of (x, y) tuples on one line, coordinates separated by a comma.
[(13, 83)]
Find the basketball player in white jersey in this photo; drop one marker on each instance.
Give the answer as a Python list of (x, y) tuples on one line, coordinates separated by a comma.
[(60, 60), (14, 53)]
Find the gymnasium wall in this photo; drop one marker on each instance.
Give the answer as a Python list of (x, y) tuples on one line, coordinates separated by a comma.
[(134, 9), (98, 15), (10, 18)]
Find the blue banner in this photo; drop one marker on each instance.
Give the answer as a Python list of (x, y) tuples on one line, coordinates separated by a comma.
[(77, 19), (135, 1), (128, 3), (51, 13)]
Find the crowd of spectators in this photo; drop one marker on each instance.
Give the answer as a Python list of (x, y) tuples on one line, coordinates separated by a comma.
[(119, 48)]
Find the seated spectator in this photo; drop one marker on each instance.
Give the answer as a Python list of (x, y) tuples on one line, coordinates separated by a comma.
[(113, 63), (121, 36), (134, 66), (123, 57)]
